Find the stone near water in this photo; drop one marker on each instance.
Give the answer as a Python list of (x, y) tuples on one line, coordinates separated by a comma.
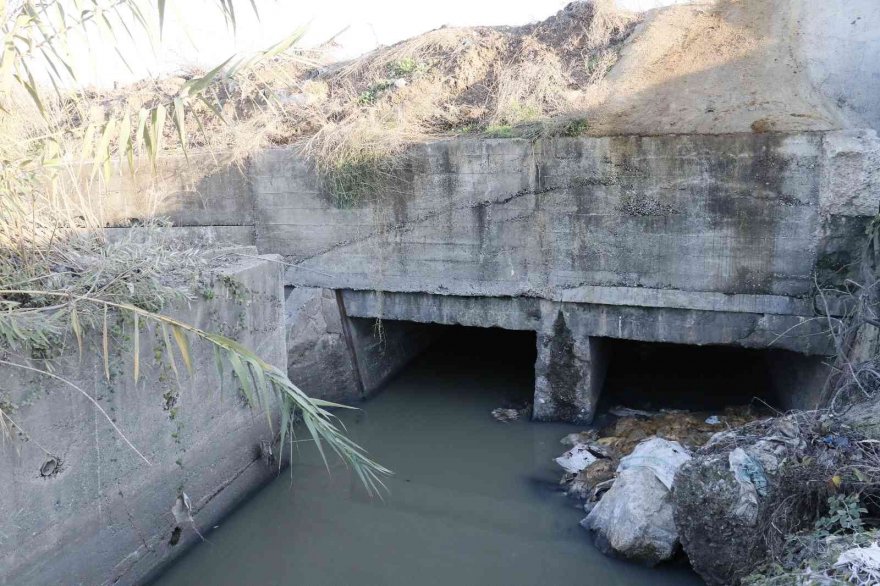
[(634, 519)]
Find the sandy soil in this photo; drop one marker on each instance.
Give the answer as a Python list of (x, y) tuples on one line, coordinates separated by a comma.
[(712, 67)]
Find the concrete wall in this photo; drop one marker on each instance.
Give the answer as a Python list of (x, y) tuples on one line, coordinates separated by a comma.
[(384, 347), (77, 505), (696, 239), (731, 223), (320, 358)]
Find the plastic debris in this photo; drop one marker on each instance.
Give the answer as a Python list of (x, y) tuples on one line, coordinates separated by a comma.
[(863, 563), (581, 437), (839, 442), (713, 420), (576, 459), (662, 457), (505, 415), (752, 482)]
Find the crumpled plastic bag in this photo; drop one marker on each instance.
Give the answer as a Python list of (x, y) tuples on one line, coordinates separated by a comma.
[(662, 457), (749, 473), (862, 562), (576, 459)]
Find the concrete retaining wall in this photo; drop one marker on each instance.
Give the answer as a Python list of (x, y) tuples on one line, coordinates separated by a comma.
[(77, 505), (695, 239)]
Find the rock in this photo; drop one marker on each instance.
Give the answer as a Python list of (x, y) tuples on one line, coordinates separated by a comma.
[(634, 519), (581, 437), (724, 496), (716, 521), (582, 485)]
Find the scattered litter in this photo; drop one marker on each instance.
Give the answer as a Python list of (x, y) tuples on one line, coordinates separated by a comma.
[(862, 562), (662, 457), (505, 415), (839, 442), (581, 437), (182, 512), (576, 459), (713, 420), (585, 481), (621, 411), (752, 482)]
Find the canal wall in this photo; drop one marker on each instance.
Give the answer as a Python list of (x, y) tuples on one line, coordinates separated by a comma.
[(81, 507), (691, 239)]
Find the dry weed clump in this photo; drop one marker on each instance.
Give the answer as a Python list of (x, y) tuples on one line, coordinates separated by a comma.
[(526, 81)]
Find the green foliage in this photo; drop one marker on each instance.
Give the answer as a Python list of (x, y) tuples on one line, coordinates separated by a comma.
[(575, 127), (351, 182), (407, 67), (371, 95), (844, 515), (500, 131)]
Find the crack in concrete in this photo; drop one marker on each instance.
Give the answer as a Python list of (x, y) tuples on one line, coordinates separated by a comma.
[(399, 228)]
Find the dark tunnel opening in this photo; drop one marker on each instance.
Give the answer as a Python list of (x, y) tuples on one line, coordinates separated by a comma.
[(651, 376)]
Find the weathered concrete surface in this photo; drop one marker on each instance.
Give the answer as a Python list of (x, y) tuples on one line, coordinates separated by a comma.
[(569, 373), (319, 358), (693, 239), (622, 220), (679, 326), (99, 514), (383, 348), (839, 46)]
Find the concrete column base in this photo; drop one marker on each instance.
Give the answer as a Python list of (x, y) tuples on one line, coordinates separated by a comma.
[(569, 374)]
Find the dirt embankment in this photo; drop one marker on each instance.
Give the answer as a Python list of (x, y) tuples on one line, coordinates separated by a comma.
[(713, 67)]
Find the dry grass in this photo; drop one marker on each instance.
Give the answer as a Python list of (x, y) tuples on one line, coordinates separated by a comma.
[(526, 81)]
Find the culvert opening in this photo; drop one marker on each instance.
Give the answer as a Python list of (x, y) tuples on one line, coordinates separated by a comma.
[(436, 352), (652, 376)]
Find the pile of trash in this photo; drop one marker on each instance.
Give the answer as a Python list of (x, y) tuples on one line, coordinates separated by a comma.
[(594, 456), (750, 499), (625, 475)]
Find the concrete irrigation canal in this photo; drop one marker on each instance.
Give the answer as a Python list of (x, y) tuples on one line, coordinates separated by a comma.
[(636, 345)]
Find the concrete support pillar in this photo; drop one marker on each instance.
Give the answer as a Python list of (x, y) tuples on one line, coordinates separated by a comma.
[(569, 374)]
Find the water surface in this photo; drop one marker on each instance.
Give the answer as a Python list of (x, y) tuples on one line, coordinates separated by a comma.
[(473, 501)]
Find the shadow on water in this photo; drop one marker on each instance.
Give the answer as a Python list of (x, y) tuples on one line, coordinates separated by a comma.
[(473, 501)]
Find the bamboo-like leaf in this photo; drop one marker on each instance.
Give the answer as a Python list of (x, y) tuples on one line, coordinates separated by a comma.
[(32, 92), (102, 150), (183, 346), (243, 376), (197, 85), (105, 344), (218, 362), (141, 136), (137, 347), (161, 16), (77, 328), (180, 124), (250, 368), (158, 126), (169, 350)]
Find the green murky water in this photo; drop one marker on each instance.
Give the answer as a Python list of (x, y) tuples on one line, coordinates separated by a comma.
[(473, 501)]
